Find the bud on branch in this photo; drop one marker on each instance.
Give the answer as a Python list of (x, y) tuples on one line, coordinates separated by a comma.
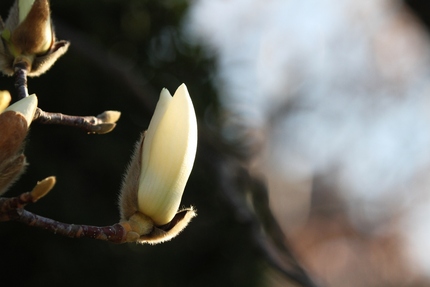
[(14, 124), (159, 171), (28, 38)]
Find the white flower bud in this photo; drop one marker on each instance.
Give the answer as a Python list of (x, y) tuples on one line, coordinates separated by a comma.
[(168, 154)]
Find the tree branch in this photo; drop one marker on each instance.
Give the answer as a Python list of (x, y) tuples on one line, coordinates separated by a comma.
[(12, 209), (103, 123), (115, 233)]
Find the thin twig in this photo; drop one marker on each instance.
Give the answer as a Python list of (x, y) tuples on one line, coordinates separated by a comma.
[(89, 124), (115, 233), (12, 209), (101, 124)]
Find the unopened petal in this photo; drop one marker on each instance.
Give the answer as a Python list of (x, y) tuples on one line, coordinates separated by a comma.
[(160, 110), (24, 7), (27, 107), (170, 158)]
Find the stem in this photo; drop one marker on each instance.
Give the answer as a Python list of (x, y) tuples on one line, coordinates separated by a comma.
[(115, 233), (21, 69), (101, 124), (12, 209), (88, 123), (8, 206)]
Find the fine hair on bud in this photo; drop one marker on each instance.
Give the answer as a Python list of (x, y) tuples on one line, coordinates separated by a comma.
[(130, 185)]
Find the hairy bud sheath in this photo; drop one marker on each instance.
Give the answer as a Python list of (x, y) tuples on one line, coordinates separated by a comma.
[(14, 124), (161, 166), (28, 37), (34, 34)]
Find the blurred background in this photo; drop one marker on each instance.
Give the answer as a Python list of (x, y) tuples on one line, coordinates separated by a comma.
[(314, 143)]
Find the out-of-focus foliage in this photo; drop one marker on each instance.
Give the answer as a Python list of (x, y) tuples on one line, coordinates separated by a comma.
[(143, 40)]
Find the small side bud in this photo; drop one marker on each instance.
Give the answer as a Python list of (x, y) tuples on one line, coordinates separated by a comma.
[(5, 99), (105, 128), (108, 121), (43, 187), (109, 116)]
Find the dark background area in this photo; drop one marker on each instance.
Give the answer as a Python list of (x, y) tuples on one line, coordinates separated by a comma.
[(421, 9), (123, 52)]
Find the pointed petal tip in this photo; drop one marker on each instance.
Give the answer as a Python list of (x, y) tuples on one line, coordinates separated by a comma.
[(182, 88), (165, 93)]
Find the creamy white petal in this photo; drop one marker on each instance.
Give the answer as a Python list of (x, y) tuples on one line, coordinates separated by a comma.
[(160, 110), (172, 149), (24, 8), (26, 106)]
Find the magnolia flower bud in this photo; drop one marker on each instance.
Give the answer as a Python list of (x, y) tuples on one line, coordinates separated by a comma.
[(28, 37), (24, 8), (33, 35), (160, 169), (168, 156), (14, 124)]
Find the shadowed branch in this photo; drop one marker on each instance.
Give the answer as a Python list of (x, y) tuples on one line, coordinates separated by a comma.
[(20, 74), (101, 124), (12, 209)]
